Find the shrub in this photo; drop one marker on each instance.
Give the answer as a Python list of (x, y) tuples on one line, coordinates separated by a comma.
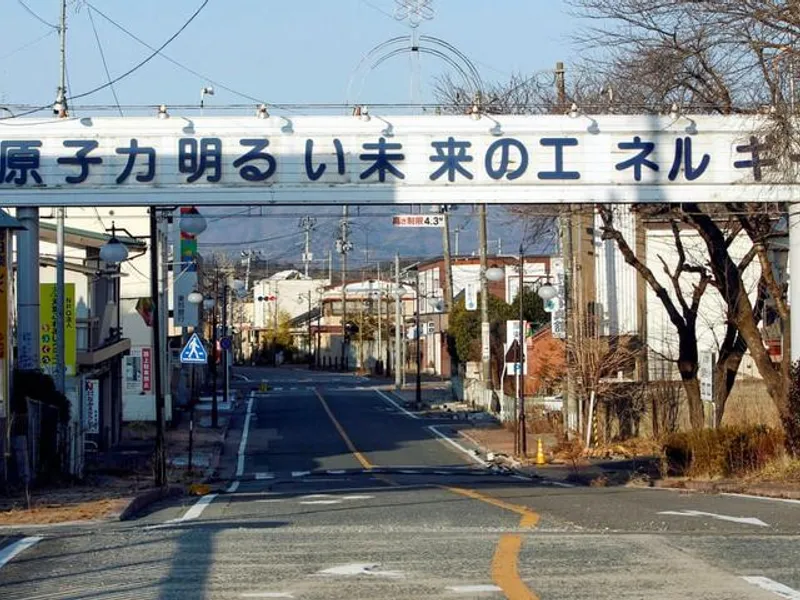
[(723, 452)]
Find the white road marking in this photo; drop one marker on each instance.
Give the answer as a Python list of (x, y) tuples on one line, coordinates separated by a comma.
[(765, 583), (266, 595), (357, 497), (314, 496), (473, 589), (10, 551), (697, 513), (300, 473), (768, 498), (336, 472), (233, 487), (562, 484), (245, 433), (466, 451), (360, 569), (408, 472), (396, 405), (271, 500), (321, 502), (265, 476), (197, 508), (521, 477)]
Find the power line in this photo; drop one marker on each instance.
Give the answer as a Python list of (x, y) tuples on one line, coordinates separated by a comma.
[(30, 11), (28, 45), (169, 59), (105, 64), (146, 60)]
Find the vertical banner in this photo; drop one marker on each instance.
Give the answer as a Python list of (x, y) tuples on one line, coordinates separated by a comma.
[(47, 328), (91, 406), (486, 352), (5, 309), (147, 366), (471, 296), (559, 312), (184, 283)]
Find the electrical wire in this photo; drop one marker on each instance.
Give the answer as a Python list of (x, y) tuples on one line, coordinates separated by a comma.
[(172, 60), (105, 63), (146, 60), (28, 45), (30, 11)]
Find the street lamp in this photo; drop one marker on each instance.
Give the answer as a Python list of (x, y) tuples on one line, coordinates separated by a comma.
[(547, 292), (113, 252), (495, 274), (194, 298), (192, 222)]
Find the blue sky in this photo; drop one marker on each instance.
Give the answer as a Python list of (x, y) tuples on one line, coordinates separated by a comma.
[(298, 51)]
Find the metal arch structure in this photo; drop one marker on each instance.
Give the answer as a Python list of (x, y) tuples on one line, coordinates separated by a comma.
[(425, 44)]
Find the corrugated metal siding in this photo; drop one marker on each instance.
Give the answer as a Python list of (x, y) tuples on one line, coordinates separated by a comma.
[(616, 281)]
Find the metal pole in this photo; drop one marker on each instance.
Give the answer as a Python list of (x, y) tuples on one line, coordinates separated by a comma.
[(448, 265), (380, 320), (522, 358), (28, 333), (225, 375), (418, 392), (794, 284), (160, 451), (398, 326), (60, 375), (485, 341), (310, 344), (214, 399), (344, 288)]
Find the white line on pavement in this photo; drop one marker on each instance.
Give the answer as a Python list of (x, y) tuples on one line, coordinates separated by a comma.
[(768, 498), (466, 451), (197, 508), (561, 484), (336, 472), (265, 476), (473, 589), (300, 473), (321, 502), (10, 551), (765, 583), (233, 487), (396, 405), (245, 433), (698, 513), (266, 595)]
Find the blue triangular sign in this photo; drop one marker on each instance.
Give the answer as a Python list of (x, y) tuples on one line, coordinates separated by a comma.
[(194, 352)]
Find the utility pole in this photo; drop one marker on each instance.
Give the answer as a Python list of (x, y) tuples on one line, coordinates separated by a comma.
[(60, 108), (398, 326), (161, 450), (224, 354), (343, 246), (213, 356), (522, 359), (571, 403), (456, 231), (330, 266), (448, 263), (561, 86), (418, 387), (486, 368), (380, 320), (307, 224)]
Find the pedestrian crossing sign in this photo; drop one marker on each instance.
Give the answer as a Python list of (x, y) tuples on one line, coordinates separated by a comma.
[(194, 352)]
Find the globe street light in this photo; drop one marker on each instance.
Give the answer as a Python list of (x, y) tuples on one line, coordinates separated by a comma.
[(195, 298), (192, 222), (547, 292), (113, 252), (495, 274)]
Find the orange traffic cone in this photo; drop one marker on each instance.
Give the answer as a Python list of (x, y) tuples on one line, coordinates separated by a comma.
[(540, 459)]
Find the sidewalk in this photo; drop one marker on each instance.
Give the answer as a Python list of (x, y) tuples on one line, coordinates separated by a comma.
[(114, 479)]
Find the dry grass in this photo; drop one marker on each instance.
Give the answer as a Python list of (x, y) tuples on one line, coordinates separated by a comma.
[(782, 469), (60, 513)]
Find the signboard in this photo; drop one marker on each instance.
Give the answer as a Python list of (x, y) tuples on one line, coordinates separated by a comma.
[(5, 320), (91, 406), (418, 221), (558, 313), (194, 353), (705, 373), (225, 343), (372, 159), (511, 347), (47, 328), (135, 382), (147, 369), (486, 351), (471, 296)]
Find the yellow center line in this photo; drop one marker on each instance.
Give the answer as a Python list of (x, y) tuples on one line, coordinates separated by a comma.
[(349, 443), (505, 571)]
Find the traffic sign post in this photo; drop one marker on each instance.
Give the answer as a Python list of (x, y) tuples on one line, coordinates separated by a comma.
[(194, 352)]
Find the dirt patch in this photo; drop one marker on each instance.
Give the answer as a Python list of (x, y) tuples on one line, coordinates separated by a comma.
[(48, 511)]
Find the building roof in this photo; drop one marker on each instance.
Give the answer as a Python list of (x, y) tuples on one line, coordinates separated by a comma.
[(82, 238)]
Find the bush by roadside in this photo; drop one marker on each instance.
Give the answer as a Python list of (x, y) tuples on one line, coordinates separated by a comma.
[(723, 452)]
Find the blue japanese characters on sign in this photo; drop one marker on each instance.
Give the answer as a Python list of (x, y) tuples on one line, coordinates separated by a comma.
[(211, 160)]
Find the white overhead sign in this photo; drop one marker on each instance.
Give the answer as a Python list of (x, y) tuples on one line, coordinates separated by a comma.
[(428, 159), (418, 221)]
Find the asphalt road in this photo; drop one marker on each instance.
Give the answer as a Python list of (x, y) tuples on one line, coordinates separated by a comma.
[(340, 494)]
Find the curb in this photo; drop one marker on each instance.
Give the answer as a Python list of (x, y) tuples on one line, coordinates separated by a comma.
[(142, 501), (711, 487)]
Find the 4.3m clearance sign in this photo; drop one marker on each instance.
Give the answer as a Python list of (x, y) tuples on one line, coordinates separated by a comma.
[(383, 160)]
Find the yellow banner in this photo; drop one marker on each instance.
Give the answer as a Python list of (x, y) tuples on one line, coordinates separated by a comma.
[(47, 326)]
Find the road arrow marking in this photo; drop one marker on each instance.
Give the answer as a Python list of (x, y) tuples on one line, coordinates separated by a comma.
[(361, 569), (765, 583), (697, 513), (10, 551)]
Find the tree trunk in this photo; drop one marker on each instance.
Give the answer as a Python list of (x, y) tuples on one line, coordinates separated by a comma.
[(691, 386), (725, 370)]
